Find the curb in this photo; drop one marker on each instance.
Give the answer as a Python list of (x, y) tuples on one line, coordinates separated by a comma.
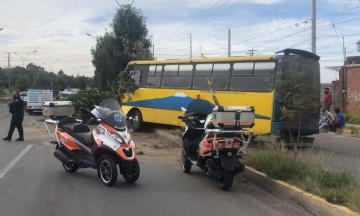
[(313, 203)]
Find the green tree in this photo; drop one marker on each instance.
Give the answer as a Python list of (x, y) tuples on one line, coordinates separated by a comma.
[(128, 40)]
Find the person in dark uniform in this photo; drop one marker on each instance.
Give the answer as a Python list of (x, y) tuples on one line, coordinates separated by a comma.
[(16, 108)]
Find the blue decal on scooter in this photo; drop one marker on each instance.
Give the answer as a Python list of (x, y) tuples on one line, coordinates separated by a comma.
[(117, 117)]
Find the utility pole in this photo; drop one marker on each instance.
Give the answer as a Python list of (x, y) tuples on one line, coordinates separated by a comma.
[(251, 52), (344, 80), (313, 28), (9, 70), (153, 51), (229, 43), (190, 47)]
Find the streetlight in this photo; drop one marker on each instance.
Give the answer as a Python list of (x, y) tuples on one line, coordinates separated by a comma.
[(52, 64), (27, 56)]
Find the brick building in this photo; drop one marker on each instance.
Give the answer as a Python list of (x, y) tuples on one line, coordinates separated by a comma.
[(349, 86)]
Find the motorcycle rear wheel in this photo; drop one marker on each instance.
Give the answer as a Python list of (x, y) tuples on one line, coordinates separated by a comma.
[(134, 172), (70, 168), (108, 170), (186, 163), (225, 182)]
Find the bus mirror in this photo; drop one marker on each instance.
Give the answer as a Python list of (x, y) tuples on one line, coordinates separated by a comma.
[(183, 109)]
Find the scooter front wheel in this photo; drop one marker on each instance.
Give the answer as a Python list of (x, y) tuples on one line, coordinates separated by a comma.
[(133, 172), (225, 182), (72, 167), (108, 170)]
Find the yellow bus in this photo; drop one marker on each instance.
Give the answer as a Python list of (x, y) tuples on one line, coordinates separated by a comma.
[(284, 88)]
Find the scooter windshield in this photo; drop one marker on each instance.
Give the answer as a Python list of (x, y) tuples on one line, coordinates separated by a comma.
[(115, 120), (198, 106), (112, 114)]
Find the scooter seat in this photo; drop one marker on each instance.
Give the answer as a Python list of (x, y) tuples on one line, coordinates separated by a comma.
[(84, 137), (67, 124)]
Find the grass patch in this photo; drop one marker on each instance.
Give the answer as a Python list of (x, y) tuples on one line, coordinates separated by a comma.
[(311, 176), (353, 119)]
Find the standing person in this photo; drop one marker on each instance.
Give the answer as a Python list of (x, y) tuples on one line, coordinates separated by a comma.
[(16, 108), (327, 99), (339, 121)]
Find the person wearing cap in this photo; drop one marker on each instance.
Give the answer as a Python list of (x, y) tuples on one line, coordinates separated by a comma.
[(327, 99)]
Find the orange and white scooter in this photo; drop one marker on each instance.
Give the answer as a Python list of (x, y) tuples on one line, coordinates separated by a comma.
[(109, 145)]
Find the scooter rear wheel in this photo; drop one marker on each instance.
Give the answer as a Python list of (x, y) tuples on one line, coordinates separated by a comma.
[(108, 170), (70, 168), (186, 163), (225, 182)]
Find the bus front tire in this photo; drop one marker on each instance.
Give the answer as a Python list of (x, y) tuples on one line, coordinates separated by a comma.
[(135, 120)]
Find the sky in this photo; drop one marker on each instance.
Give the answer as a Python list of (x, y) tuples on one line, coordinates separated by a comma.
[(54, 33)]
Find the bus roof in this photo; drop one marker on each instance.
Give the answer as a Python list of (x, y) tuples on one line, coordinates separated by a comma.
[(204, 60)]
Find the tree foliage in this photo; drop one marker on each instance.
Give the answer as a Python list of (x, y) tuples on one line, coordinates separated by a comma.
[(34, 76), (87, 99), (126, 41)]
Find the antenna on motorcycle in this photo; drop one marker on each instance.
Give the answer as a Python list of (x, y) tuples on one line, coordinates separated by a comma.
[(211, 87)]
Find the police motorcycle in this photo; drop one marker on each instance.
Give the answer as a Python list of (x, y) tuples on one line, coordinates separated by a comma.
[(104, 148)]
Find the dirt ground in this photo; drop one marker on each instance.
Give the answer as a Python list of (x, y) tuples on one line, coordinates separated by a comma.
[(153, 147)]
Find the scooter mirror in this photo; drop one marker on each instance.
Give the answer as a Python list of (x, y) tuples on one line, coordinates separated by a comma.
[(183, 109)]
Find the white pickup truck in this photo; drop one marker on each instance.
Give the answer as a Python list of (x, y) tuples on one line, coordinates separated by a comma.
[(36, 98)]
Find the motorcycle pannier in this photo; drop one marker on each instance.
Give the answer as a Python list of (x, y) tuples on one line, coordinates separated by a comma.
[(229, 117)]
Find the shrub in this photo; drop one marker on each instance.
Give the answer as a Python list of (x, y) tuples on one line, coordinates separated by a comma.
[(87, 99), (353, 119)]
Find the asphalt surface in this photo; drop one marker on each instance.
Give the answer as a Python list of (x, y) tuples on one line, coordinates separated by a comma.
[(33, 182), (338, 152)]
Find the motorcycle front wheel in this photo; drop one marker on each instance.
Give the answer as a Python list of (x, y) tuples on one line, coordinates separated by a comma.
[(225, 182), (133, 172), (186, 163), (108, 170)]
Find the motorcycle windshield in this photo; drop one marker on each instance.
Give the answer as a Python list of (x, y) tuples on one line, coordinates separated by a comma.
[(199, 106), (112, 114), (115, 120)]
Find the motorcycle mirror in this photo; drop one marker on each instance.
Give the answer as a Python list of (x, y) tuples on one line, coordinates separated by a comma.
[(183, 109)]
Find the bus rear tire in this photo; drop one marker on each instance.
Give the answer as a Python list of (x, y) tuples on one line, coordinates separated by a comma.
[(135, 120)]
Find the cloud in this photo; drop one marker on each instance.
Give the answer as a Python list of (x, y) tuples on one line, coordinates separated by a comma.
[(57, 29)]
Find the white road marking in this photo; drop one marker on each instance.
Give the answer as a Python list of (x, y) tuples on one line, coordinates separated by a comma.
[(14, 161)]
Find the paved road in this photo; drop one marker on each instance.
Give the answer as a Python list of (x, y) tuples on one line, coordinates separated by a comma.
[(33, 182), (338, 152)]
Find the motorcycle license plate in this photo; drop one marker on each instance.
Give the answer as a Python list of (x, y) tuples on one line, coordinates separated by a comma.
[(228, 142)]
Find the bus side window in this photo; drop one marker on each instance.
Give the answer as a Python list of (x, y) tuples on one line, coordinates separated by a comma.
[(177, 76), (154, 76), (220, 76), (137, 77), (201, 72), (264, 69)]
